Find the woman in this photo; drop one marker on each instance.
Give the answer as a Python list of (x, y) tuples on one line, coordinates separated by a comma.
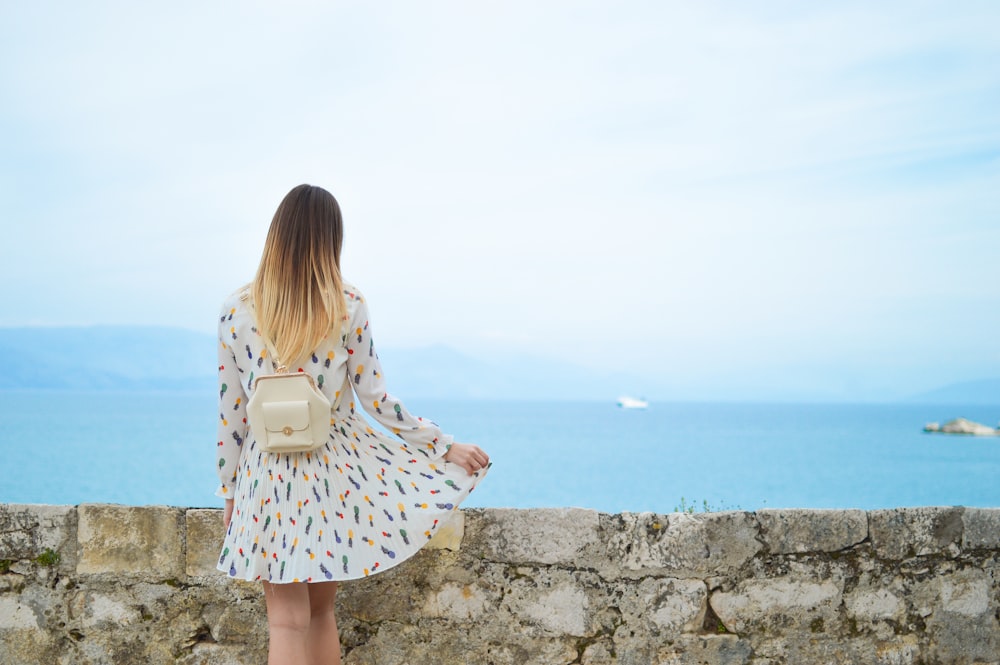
[(363, 502)]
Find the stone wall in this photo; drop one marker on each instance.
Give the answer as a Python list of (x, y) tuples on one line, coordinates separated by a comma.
[(114, 584)]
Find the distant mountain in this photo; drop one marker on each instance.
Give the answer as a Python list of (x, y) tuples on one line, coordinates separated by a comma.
[(145, 358), (983, 391), (106, 358)]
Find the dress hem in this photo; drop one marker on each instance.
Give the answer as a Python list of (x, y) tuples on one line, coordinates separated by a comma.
[(341, 578)]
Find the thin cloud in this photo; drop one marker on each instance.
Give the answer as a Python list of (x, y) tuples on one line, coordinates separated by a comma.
[(675, 178)]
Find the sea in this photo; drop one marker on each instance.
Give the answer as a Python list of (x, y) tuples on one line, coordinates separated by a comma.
[(159, 448)]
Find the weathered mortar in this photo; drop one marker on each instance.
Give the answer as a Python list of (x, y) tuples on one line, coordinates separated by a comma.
[(504, 587)]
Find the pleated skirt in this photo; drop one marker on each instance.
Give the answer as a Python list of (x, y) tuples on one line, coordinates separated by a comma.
[(359, 505)]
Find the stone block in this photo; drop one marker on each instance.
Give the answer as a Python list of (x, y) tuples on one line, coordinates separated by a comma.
[(122, 539), (965, 593), (36, 606), (551, 602), (598, 653), (240, 623), (763, 605), (449, 534), (868, 604), (962, 621), (663, 606), (714, 649), (461, 602), (795, 531), (560, 536), (94, 609), (209, 653), (28, 530), (15, 614), (981, 528), (30, 646), (903, 533), (393, 595), (634, 650), (560, 610), (391, 643), (681, 544), (204, 535), (904, 650), (809, 648)]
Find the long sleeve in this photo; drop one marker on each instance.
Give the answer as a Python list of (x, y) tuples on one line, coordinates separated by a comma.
[(365, 375), (232, 429)]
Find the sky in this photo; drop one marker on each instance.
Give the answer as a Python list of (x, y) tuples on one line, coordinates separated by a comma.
[(720, 199)]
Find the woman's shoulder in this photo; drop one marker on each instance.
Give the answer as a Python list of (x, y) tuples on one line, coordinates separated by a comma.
[(352, 294), (237, 299), (355, 301)]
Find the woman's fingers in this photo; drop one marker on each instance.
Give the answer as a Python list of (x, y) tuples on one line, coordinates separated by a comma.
[(479, 459), (470, 457)]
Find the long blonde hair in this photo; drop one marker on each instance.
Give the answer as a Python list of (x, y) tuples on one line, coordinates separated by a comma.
[(298, 293)]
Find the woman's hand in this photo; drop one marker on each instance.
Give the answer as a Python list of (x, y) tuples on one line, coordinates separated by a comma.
[(470, 457), (227, 515)]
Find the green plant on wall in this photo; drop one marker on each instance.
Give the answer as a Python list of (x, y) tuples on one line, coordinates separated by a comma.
[(47, 558), (706, 507)]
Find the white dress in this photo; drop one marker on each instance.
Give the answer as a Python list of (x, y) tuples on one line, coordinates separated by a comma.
[(362, 503)]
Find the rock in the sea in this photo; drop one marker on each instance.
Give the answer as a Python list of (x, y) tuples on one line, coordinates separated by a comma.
[(962, 426)]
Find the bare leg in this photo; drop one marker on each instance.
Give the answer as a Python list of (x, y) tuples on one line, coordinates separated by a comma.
[(287, 622), (324, 640)]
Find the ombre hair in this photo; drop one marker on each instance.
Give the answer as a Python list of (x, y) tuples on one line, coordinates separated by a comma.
[(298, 293)]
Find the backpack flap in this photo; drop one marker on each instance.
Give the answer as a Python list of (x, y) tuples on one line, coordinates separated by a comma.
[(287, 423)]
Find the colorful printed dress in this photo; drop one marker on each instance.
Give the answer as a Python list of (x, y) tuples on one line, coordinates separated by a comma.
[(362, 503)]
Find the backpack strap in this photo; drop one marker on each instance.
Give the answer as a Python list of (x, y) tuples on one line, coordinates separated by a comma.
[(279, 367)]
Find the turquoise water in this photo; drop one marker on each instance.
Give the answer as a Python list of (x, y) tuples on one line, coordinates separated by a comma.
[(69, 448)]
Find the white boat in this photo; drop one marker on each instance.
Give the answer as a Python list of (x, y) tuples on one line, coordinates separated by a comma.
[(627, 402)]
